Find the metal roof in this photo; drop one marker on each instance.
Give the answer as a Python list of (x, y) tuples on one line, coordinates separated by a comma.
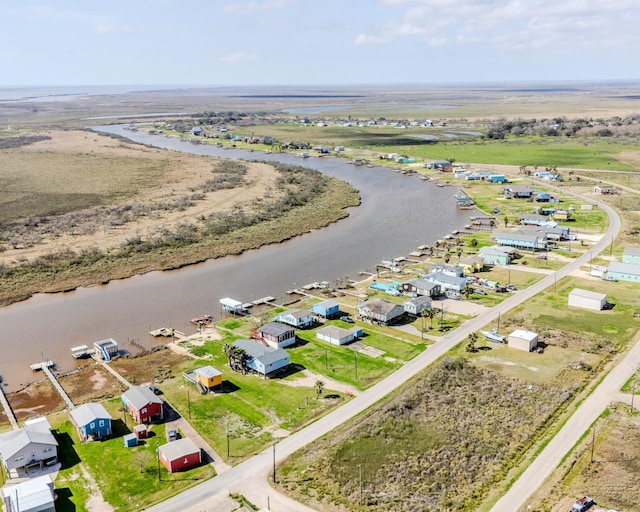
[(178, 448), (86, 413), (266, 355)]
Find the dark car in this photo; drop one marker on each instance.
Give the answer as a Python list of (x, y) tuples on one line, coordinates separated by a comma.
[(155, 390), (347, 319)]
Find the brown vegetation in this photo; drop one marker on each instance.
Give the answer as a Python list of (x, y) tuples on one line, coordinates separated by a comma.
[(439, 444)]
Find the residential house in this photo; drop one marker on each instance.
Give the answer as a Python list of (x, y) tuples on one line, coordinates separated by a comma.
[(519, 240), (379, 311), (449, 285), (92, 421), (263, 360), (496, 255), (417, 305), (450, 270), (33, 495), (496, 178), (518, 191), (532, 219), (338, 336), (587, 299), (631, 255), (562, 215), (618, 271), (420, 287), (300, 318), (28, 448), (180, 455), (605, 189), (523, 340), (143, 405), (471, 264), (326, 309), (208, 377), (276, 335)]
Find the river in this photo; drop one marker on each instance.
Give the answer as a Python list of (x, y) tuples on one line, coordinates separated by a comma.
[(397, 214)]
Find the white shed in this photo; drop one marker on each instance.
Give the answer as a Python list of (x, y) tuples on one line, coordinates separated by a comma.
[(587, 299), (523, 340)]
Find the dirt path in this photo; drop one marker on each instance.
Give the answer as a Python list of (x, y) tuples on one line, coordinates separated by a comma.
[(311, 378)]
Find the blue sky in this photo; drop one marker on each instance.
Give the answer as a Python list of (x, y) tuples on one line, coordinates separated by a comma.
[(316, 42)]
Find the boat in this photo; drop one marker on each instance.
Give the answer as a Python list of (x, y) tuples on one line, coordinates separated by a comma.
[(493, 335)]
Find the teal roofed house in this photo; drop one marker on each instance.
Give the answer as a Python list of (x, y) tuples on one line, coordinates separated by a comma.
[(618, 271), (631, 255)]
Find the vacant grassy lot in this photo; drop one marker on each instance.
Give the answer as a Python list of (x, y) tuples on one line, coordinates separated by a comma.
[(438, 444)]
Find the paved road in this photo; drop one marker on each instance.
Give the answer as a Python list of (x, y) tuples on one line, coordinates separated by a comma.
[(248, 478)]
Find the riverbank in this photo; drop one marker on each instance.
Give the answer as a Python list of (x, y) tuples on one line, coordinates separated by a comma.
[(155, 229)]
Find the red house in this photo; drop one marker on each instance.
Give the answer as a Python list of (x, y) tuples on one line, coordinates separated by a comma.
[(143, 405), (180, 455)]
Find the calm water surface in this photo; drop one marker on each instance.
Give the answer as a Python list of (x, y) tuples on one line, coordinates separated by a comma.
[(397, 214)]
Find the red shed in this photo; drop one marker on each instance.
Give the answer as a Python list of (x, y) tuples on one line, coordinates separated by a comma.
[(180, 455)]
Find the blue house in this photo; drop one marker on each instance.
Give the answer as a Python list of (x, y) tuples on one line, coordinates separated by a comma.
[(623, 272), (495, 255), (263, 360), (631, 255), (326, 309), (519, 240), (92, 421)]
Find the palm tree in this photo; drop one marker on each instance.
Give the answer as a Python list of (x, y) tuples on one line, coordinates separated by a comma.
[(447, 257), (492, 224), (472, 338), (459, 252), (506, 221), (319, 388), (431, 313), (466, 291)]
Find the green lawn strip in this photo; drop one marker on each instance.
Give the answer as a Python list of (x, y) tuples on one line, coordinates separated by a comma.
[(126, 477), (629, 385), (340, 362)]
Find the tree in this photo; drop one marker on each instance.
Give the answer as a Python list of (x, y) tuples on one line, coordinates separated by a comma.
[(459, 251), (447, 257), (466, 291), (473, 242), (236, 357), (506, 221), (319, 388), (143, 459), (492, 224), (472, 339)]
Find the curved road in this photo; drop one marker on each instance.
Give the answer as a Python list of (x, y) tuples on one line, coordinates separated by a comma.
[(249, 477)]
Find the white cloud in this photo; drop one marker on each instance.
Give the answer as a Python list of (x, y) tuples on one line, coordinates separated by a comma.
[(238, 57), (508, 24), (256, 6)]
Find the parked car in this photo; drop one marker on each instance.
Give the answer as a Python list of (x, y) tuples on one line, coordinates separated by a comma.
[(582, 504), (347, 318), (155, 390), (172, 435)]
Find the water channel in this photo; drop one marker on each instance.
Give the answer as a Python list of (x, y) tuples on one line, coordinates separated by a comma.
[(397, 214)]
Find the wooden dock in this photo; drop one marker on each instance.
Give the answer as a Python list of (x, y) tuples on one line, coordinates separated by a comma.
[(8, 410), (263, 300), (42, 365), (58, 387), (167, 332)]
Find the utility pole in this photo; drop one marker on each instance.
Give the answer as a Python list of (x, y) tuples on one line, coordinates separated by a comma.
[(188, 403), (360, 474), (226, 427), (355, 360), (274, 462), (593, 442)]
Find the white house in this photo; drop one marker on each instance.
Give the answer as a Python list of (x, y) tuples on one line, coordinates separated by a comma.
[(587, 299), (28, 448), (523, 340), (34, 495), (338, 336), (300, 318), (416, 306)]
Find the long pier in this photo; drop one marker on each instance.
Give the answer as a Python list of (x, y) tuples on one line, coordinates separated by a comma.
[(8, 410), (58, 387)]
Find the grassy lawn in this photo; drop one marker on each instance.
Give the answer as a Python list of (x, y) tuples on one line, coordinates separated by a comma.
[(128, 478)]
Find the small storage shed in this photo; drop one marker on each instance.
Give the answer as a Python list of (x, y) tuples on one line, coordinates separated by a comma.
[(141, 431), (130, 440), (587, 299), (180, 455), (208, 376), (523, 340)]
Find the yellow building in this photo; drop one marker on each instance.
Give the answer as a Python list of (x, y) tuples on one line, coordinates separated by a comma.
[(208, 376)]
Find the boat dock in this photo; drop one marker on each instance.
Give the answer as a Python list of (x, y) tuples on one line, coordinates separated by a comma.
[(42, 365), (8, 410), (167, 332), (263, 300), (58, 387)]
